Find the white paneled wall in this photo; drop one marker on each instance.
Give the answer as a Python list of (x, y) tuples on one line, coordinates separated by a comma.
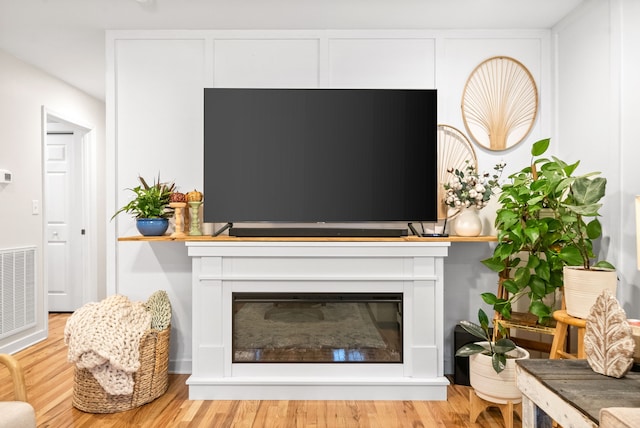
[(404, 62), (155, 122), (267, 63)]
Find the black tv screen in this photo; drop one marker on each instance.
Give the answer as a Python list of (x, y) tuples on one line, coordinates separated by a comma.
[(320, 155)]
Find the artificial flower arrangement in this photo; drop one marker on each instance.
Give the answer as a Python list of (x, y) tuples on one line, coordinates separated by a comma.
[(468, 188)]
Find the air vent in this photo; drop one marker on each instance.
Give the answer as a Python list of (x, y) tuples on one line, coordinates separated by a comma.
[(17, 290)]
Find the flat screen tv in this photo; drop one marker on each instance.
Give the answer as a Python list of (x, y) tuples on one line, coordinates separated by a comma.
[(320, 155)]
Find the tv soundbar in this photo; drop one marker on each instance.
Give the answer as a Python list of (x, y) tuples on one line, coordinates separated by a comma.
[(314, 232)]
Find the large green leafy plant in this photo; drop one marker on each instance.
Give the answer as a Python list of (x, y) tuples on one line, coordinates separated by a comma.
[(150, 201), (541, 228)]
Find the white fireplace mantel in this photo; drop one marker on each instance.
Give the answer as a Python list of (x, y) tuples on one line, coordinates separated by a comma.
[(413, 268)]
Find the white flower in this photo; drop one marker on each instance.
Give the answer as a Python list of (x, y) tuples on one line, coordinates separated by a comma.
[(467, 188)]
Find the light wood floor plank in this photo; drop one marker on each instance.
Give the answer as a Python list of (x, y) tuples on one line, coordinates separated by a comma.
[(49, 380)]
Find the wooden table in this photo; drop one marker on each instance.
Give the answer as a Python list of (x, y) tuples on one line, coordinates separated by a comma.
[(570, 393)]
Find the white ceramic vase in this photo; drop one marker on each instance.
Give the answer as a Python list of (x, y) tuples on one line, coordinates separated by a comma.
[(496, 387), (582, 287), (468, 223)]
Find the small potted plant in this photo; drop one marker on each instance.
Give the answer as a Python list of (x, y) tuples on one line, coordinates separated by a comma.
[(492, 364), (467, 192), (150, 207)]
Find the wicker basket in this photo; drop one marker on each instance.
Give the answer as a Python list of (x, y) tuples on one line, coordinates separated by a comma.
[(151, 379)]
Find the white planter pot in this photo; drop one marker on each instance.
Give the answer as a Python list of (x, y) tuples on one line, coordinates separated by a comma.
[(468, 222), (582, 287), (495, 387)]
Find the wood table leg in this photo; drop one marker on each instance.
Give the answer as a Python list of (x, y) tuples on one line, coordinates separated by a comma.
[(477, 405), (528, 413)]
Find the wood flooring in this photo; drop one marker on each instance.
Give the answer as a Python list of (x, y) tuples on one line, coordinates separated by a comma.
[(49, 380)]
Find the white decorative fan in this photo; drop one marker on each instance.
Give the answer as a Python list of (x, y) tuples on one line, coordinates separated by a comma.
[(499, 103), (454, 150)]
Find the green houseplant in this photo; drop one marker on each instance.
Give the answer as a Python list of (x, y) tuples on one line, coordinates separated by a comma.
[(541, 229), (150, 206), (583, 279), (497, 351), (492, 364)]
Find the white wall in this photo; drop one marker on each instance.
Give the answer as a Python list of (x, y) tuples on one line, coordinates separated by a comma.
[(629, 175), (598, 109), (23, 91), (154, 101)]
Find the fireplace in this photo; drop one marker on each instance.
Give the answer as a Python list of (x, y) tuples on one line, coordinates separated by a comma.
[(394, 286), (317, 327)]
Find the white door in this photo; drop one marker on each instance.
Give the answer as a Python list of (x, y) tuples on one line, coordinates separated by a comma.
[(63, 211)]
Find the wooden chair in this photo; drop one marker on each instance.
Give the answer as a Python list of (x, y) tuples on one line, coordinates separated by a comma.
[(19, 413)]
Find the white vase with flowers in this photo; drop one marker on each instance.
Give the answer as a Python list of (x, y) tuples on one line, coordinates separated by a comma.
[(466, 193)]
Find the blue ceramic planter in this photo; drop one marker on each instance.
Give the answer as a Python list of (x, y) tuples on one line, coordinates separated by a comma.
[(152, 226)]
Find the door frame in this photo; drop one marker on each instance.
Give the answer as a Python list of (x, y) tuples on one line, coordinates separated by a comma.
[(88, 171)]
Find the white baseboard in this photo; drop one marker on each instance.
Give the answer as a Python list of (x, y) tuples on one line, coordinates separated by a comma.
[(24, 342)]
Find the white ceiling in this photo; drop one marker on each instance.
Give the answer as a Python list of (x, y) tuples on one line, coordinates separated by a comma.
[(66, 37)]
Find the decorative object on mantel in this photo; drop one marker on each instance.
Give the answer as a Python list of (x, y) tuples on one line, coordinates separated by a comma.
[(152, 226), (178, 203), (467, 222), (150, 207), (194, 199), (492, 371), (467, 192), (608, 341), (499, 103), (454, 151)]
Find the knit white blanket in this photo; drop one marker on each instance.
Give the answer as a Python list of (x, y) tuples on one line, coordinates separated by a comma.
[(104, 338)]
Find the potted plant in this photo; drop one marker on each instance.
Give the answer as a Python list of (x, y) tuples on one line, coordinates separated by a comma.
[(584, 280), (150, 207), (541, 229), (467, 192), (530, 233), (492, 364)]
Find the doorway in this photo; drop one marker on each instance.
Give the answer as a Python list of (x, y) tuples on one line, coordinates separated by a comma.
[(66, 208)]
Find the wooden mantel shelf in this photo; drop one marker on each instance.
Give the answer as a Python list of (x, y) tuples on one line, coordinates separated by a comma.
[(484, 238)]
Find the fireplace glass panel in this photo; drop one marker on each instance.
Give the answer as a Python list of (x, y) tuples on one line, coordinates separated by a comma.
[(317, 327)]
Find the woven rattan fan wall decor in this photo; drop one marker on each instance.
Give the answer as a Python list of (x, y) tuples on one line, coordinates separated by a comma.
[(499, 103), (454, 150)]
